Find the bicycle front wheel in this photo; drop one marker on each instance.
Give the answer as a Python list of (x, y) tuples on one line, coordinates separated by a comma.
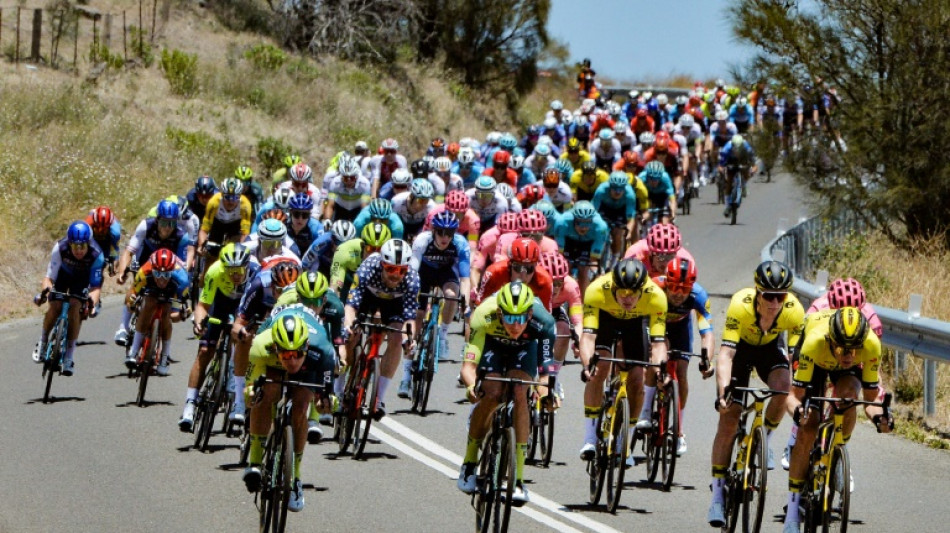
[(837, 493), (366, 409), (546, 436), (417, 390), (506, 475), (148, 362), (597, 467), (670, 419), (54, 356), (284, 481), (755, 481), (617, 454)]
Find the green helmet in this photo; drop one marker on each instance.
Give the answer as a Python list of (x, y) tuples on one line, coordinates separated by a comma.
[(243, 173), (291, 160), (290, 333), (234, 255), (375, 234), (311, 285), (515, 298)]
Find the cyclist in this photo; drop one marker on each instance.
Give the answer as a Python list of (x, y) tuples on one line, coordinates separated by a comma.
[(457, 202), (106, 231), (672, 156), (755, 320), (581, 236), (294, 346), (735, 157), (568, 308), (530, 195), (514, 206), (551, 215), (488, 242), (839, 347), (642, 122), (692, 140), (413, 206), (500, 170), (586, 180), (351, 254), (618, 205), (301, 181), (280, 175), (526, 176), (531, 224), (443, 179), (199, 196), (575, 154), (319, 257), (387, 283), (624, 136), (720, 133), (187, 220), (647, 139), (557, 191), (742, 115), (443, 259), (381, 211), (487, 202), (162, 277), (467, 167), (279, 201), (605, 149), (271, 241), (382, 166), (512, 335), (224, 285), (685, 298), (662, 195), (252, 190), (227, 218), (347, 193), (617, 306), (662, 244), (521, 265), (539, 160), (75, 266)]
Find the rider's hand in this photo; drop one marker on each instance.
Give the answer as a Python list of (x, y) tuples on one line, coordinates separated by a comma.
[(587, 373), (883, 425), (723, 402), (471, 394), (130, 300), (122, 277), (709, 372), (198, 329)]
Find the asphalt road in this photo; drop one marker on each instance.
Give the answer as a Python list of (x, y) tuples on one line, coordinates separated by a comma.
[(92, 461)]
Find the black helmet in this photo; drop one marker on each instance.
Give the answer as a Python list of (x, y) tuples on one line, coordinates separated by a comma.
[(773, 276), (589, 166), (419, 168), (849, 328), (629, 274)]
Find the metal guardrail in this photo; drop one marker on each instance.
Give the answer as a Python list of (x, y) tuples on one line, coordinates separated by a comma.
[(904, 331), (671, 92)]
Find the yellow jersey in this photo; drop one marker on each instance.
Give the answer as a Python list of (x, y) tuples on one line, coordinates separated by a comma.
[(215, 211), (599, 297), (583, 191), (817, 352), (742, 321), (582, 157)]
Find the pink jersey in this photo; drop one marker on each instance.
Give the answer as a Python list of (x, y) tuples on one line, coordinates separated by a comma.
[(639, 250), (570, 293), (867, 310), (469, 225), (548, 245)]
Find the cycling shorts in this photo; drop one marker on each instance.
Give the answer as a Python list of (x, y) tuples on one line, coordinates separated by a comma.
[(500, 358), (630, 332), (71, 284), (680, 336), (820, 376), (560, 314), (430, 278), (390, 311), (577, 251), (222, 308), (764, 359), (615, 217), (221, 231), (342, 213)]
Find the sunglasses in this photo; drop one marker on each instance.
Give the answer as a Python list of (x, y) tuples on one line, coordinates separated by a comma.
[(483, 195), (514, 319), (774, 296), (205, 197), (626, 293), (522, 268), (300, 214), (165, 223), (664, 258), (586, 224), (558, 283), (290, 355), (395, 269), (231, 197), (841, 351), (271, 243), (313, 302), (230, 271), (536, 235), (390, 152), (162, 275), (445, 232), (679, 289), (78, 246)]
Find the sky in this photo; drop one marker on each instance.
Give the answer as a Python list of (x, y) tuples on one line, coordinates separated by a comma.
[(637, 40)]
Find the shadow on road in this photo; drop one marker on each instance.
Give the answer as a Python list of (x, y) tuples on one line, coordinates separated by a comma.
[(55, 399), (147, 403), (602, 508)]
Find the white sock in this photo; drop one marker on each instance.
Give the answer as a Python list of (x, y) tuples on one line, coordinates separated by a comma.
[(338, 384), (136, 343), (793, 436), (166, 349), (126, 317), (718, 483), (191, 395), (791, 514), (406, 369), (383, 385), (70, 348), (443, 331), (647, 409), (768, 439), (590, 431), (238, 393), (682, 417)]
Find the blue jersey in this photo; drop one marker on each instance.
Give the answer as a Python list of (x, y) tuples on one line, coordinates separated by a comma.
[(178, 241), (741, 114), (657, 187), (306, 236), (628, 201), (526, 177), (698, 301), (596, 235), (727, 156), (86, 271), (475, 170), (395, 223), (320, 253), (457, 254)]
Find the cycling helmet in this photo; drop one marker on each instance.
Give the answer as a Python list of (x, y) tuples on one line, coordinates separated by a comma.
[(534, 130), (662, 141), (630, 158), (453, 149), (234, 255), (681, 100), (375, 234), (589, 167), (542, 149), (686, 121), (167, 209), (443, 164), (551, 177), (300, 173), (102, 219), (508, 142), (205, 185), (466, 156), (641, 110), (349, 168), (524, 251), (849, 327), (438, 143), (530, 194), (647, 139), (419, 168), (456, 201), (232, 187), (291, 160), (485, 184), (662, 99), (605, 134), (301, 202), (655, 170), (620, 128), (742, 101), (380, 209), (680, 272), (584, 210), (664, 239), (556, 105), (275, 213), (493, 137), (282, 197), (311, 285), (360, 147), (389, 144), (773, 276), (846, 293), (515, 298), (517, 161), (243, 173), (629, 274), (722, 114), (401, 178), (272, 230), (618, 180), (421, 188), (632, 95), (573, 145), (555, 264), (505, 190), (396, 252), (565, 168), (284, 273), (550, 123), (445, 220), (290, 333), (163, 260), (342, 231), (507, 223), (532, 221), (738, 141), (501, 157), (547, 209), (79, 232)]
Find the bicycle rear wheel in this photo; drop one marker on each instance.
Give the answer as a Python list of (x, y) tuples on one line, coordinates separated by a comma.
[(285, 480), (54, 356), (597, 467), (670, 419), (546, 436), (653, 449), (149, 362), (534, 433), (837, 493), (346, 418), (617, 454), (755, 482), (366, 409)]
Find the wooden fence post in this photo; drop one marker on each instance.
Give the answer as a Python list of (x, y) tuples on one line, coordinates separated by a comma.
[(125, 47), (107, 31), (16, 56), (37, 34)]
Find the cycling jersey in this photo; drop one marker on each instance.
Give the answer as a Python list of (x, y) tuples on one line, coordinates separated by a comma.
[(659, 190), (599, 299), (605, 152), (816, 353), (239, 218), (304, 238), (195, 205), (509, 177), (697, 301), (73, 275), (469, 224), (258, 298), (288, 249), (570, 294), (427, 257), (177, 286), (346, 260), (669, 158), (625, 206), (489, 337), (319, 256), (741, 116), (452, 182), (411, 222), (722, 133), (727, 158), (488, 211), (218, 283), (468, 173), (526, 177), (498, 274), (331, 314), (382, 170), (582, 189), (394, 223), (566, 234), (368, 286), (537, 163), (578, 160), (348, 198), (319, 362), (109, 242), (742, 321), (562, 199), (147, 239), (821, 303)]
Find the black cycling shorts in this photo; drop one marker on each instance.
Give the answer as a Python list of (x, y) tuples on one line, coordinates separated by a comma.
[(390, 311), (764, 359), (631, 332), (499, 357)]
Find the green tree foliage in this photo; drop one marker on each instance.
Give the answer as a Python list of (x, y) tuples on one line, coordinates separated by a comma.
[(888, 61)]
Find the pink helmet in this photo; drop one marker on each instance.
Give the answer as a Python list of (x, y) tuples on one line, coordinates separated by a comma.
[(846, 293), (532, 221), (556, 264), (664, 239), (456, 201), (507, 222)]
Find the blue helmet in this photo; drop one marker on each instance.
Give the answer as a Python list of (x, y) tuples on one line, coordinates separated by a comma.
[(655, 170), (301, 202), (565, 168), (79, 232), (445, 220), (534, 130), (584, 210), (618, 180), (168, 209), (380, 208), (508, 142), (206, 185)]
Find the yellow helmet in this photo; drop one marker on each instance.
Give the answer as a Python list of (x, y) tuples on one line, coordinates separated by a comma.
[(849, 328), (515, 298), (290, 333)]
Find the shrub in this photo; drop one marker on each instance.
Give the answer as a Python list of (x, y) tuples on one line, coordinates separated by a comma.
[(181, 71), (140, 46), (271, 152), (266, 57)]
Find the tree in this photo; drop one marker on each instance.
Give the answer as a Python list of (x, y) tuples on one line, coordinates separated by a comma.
[(889, 63)]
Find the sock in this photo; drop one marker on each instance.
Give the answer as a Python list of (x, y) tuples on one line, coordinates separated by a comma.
[(238, 393), (794, 494), (648, 394), (406, 369), (44, 337), (471, 450), (769, 429), (718, 482), (520, 456), (136, 343), (256, 455), (126, 317), (682, 416), (166, 350), (557, 366), (590, 431), (793, 436), (338, 384), (191, 394), (70, 348), (298, 457), (443, 333), (383, 385)]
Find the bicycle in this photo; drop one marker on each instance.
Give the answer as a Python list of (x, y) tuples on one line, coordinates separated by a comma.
[(747, 477), (214, 393), (277, 468), (541, 432), (211, 250), (495, 478), (148, 357), (826, 496), (425, 361), (736, 193), (56, 343)]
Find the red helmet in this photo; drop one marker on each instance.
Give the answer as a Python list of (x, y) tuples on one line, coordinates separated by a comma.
[(556, 264), (551, 177), (699, 115), (664, 239), (453, 149), (525, 251), (662, 141), (531, 194), (695, 101), (680, 273), (641, 112), (102, 219), (456, 201), (163, 260), (630, 158), (846, 293), (507, 222), (274, 213), (532, 221), (501, 157)]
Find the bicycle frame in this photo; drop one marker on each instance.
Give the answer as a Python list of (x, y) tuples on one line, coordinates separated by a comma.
[(758, 420), (58, 338)]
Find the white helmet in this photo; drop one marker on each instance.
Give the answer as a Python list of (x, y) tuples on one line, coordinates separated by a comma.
[(401, 177), (443, 164), (517, 161), (466, 156), (349, 167), (493, 137), (550, 123), (505, 190), (556, 105), (647, 95), (343, 230), (545, 139), (396, 252), (662, 99), (722, 114), (687, 121), (633, 94)]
